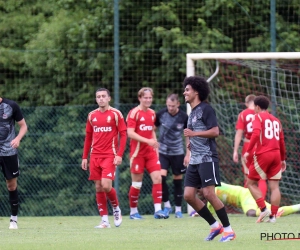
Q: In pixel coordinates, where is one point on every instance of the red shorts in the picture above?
(102, 168)
(266, 166)
(150, 162)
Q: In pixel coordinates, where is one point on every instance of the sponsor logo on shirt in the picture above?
(102, 129)
(143, 127)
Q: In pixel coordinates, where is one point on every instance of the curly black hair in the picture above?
(198, 84)
(262, 101)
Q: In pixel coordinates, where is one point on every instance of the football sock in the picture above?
(101, 203)
(178, 192)
(14, 202)
(215, 225)
(133, 197)
(177, 209)
(157, 207)
(167, 204)
(165, 189)
(157, 193)
(274, 210)
(206, 215)
(262, 185)
(222, 215)
(112, 196)
(133, 210)
(105, 218)
(15, 218)
(261, 204)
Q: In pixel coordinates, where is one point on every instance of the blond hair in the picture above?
(249, 98)
(142, 91)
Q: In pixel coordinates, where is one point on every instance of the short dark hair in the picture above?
(103, 89)
(262, 101)
(173, 97)
(198, 84)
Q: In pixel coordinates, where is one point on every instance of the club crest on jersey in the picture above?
(108, 119)
(152, 117)
(179, 126)
(194, 119)
(4, 116)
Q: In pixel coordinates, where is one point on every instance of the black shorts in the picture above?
(202, 175)
(10, 166)
(175, 161)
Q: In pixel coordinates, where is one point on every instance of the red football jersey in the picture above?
(143, 124)
(244, 122)
(267, 134)
(102, 131)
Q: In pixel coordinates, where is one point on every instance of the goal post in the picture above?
(233, 76)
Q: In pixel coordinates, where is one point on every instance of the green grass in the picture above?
(187, 233)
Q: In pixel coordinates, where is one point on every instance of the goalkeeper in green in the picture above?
(240, 197)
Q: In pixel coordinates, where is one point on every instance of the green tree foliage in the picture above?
(58, 52)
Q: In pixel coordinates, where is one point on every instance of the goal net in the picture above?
(233, 76)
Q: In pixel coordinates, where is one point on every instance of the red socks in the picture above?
(133, 196)
(101, 203)
(157, 193)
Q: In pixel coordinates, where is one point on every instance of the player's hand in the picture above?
(188, 133)
(245, 156)
(15, 143)
(235, 157)
(186, 160)
(117, 160)
(283, 166)
(153, 143)
(84, 164)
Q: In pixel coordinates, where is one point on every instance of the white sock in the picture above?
(105, 218)
(116, 208)
(133, 210)
(167, 204)
(15, 218)
(177, 209)
(215, 225)
(228, 229)
(157, 207)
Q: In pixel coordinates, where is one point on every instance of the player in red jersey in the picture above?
(244, 129)
(103, 128)
(144, 154)
(268, 158)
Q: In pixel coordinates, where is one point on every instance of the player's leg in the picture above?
(287, 210)
(274, 176)
(165, 163)
(257, 171)
(108, 175)
(96, 176)
(10, 167)
(178, 169)
(101, 205)
(210, 177)
(154, 169)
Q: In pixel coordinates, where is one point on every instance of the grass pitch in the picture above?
(186, 233)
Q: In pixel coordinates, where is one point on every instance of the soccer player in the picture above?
(171, 122)
(105, 140)
(268, 160)
(9, 114)
(240, 197)
(144, 154)
(203, 168)
(244, 129)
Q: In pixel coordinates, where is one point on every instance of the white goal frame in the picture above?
(192, 57)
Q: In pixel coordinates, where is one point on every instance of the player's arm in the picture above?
(211, 133)
(23, 129)
(237, 140)
(134, 136)
(87, 144)
(254, 139)
(187, 156)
